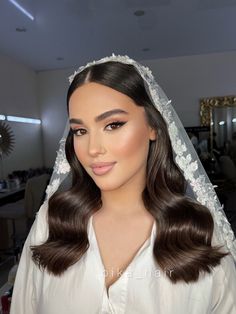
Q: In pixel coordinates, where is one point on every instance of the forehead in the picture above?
(95, 98)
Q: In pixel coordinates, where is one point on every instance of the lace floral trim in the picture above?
(60, 170)
(61, 163)
(185, 158)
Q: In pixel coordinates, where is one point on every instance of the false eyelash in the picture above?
(116, 123)
(74, 131)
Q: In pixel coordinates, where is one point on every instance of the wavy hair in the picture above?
(182, 246)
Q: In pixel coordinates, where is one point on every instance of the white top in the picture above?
(141, 289)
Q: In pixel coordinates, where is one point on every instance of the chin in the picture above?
(108, 185)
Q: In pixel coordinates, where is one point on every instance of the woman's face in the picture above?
(110, 128)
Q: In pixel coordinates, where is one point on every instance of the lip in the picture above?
(101, 168)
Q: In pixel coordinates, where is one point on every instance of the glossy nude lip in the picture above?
(102, 168)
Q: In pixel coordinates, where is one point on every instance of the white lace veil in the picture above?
(199, 186)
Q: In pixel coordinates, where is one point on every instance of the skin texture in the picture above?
(123, 215)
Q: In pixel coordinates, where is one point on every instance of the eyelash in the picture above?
(118, 124)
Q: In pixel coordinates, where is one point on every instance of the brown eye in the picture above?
(78, 132)
(115, 125)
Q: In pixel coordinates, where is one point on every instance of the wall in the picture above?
(187, 79)
(184, 79)
(52, 88)
(18, 97)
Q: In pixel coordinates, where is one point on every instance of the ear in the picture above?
(152, 134)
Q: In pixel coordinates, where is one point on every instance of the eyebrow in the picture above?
(101, 117)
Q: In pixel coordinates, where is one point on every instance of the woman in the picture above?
(126, 237)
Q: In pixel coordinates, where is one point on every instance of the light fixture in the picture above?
(221, 122)
(21, 29)
(139, 13)
(24, 120)
(234, 120)
(2, 117)
(23, 10)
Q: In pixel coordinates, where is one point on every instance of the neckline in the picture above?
(147, 244)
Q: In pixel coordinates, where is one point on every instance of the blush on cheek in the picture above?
(79, 152)
(133, 142)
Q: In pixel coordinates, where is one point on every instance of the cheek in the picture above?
(79, 150)
(133, 143)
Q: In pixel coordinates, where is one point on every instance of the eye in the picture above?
(115, 125)
(78, 132)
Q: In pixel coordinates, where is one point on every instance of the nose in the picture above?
(95, 146)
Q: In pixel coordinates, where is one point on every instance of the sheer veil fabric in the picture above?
(199, 186)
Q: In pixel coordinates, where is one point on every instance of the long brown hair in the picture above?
(182, 246)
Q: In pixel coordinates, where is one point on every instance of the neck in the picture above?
(123, 202)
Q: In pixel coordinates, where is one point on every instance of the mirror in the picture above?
(220, 114)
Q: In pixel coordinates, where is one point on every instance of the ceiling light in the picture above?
(24, 11)
(139, 13)
(25, 120)
(234, 120)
